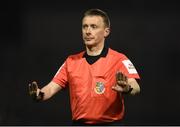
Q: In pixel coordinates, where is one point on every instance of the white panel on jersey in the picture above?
(130, 67)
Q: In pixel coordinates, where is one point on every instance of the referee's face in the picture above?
(94, 30)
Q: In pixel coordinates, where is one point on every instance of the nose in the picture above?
(88, 30)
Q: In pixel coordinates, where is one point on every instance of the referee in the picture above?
(98, 77)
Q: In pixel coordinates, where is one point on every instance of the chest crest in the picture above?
(99, 88)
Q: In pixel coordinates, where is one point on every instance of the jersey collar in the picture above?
(103, 53)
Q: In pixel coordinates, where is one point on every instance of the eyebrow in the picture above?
(89, 25)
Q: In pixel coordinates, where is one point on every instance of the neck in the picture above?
(94, 50)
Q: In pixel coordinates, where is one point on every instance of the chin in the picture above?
(89, 43)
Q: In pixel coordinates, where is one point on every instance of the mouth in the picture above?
(88, 38)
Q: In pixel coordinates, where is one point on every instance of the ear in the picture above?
(106, 32)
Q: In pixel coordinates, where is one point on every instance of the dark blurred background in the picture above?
(37, 36)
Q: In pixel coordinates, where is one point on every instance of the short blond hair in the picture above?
(98, 12)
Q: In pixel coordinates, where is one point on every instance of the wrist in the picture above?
(40, 96)
(127, 89)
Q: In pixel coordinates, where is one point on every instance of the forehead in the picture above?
(92, 20)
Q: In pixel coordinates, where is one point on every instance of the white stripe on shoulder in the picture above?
(130, 67)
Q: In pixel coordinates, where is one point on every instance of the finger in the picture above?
(121, 83)
(118, 76)
(32, 92)
(34, 86)
(121, 75)
(37, 92)
(124, 77)
(30, 88)
(117, 88)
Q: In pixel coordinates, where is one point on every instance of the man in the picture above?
(97, 78)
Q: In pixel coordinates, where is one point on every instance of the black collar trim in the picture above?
(103, 53)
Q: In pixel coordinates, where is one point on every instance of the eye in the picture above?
(84, 26)
(94, 26)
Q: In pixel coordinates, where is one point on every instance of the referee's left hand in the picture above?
(121, 83)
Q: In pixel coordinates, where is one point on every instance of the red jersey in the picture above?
(91, 96)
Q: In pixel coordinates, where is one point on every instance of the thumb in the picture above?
(38, 91)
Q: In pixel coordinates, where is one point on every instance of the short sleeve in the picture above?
(127, 68)
(61, 76)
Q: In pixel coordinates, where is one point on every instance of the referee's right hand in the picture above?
(35, 92)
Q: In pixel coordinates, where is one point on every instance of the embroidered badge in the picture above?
(99, 89)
